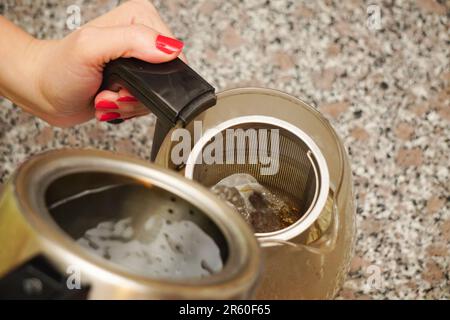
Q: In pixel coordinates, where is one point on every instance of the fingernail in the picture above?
(127, 99)
(168, 45)
(109, 116)
(106, 104)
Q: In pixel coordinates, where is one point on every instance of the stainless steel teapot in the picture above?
(53, 198)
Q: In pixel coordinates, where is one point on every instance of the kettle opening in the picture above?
(301, 179)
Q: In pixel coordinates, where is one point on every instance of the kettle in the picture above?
(78, 224)
(308, 259)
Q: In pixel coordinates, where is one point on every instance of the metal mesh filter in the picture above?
(297, 179)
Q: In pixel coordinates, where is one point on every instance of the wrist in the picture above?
(31, 68)
(20, 67)
(37, 59)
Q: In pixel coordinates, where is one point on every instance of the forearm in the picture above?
(59, 80)
(19, 57)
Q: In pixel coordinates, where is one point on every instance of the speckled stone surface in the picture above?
(386, 92)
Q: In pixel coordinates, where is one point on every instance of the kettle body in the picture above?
(311, 260)
(59, 197)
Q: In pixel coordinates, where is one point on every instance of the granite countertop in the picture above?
(385, 91)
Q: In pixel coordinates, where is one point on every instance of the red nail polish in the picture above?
(109, 116)
(168, 45)
(105, 104)
(127, 99)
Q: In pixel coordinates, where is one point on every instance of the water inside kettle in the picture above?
(160, 248)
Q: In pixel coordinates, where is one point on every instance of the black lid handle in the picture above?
(171, 90)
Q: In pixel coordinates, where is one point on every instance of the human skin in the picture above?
(58, 80)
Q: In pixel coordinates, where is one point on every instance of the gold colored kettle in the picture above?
(53, 198)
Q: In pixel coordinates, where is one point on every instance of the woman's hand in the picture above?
(58, 80)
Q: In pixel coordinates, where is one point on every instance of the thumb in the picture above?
(103, 44)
